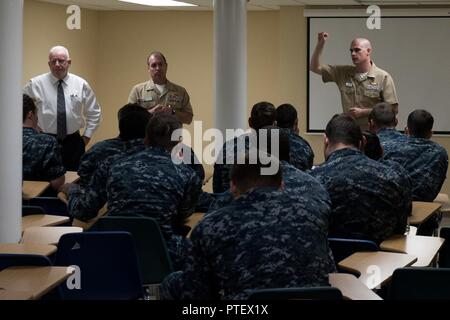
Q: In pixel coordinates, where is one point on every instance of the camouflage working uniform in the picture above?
(425, 161)
(148, 184)
(41, 156)
(296, 184)
(227, 157)
(301, 154)
(97, 154)
(368, 198)
(262, 239)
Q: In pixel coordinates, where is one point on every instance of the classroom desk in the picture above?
(71, 177)
(443, 199)
(422, 211)
(35, 280)
(15, 295)
(376, 268)
(43, 220)
(46, 235)
(424, 248)
(33, 189)
(27, 248)
(351, 287)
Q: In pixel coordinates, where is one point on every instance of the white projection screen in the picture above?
(414, 50)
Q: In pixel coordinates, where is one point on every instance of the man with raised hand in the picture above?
(361, 85)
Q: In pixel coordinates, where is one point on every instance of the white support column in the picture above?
(230, 61)
(11, 18)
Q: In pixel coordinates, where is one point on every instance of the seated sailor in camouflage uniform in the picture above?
(100, 151)
(368, 198)
(147, 183)
(302, 155)
(262, 239)
(262, 114)
(425, 161)
(132, 128)
(41, 154)
(296, 182)
(382, 121)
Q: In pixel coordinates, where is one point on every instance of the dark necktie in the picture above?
(61, 130)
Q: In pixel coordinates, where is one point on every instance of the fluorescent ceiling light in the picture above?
(161, 3)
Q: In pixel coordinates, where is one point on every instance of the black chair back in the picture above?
(420, 284)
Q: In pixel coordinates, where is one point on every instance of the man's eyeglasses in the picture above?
(59, 61)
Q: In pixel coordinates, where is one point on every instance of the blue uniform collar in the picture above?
(343, 153)
(258, 194)
(30, 130)
(159, 151)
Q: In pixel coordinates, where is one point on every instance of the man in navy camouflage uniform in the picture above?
(262, 114)
(132, 126)
(262, 239)
(147, 183)
(106, 148)
(302, 156)
(424, 160)
(41, 154)
(382, 121)
(296, 182)
(368, 198)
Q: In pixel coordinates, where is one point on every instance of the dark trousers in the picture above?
(72, 148)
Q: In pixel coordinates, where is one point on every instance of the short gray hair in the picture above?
(59, 49)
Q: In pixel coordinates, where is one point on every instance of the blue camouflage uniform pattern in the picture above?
(262, 239)
(97, 154)
(220, 200)
(296, 184)
(85, 201)
(425, 161)
(146, 183)
(41, 156)
(301, 153)
(189, 158)
(407, 190)
(388, 136)
(369, 199)
(227, 156)
(187, 155)
(104, 149)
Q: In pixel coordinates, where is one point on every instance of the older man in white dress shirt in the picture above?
(66, 104)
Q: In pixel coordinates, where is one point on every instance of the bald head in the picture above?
(360, 50)
(362, 42)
